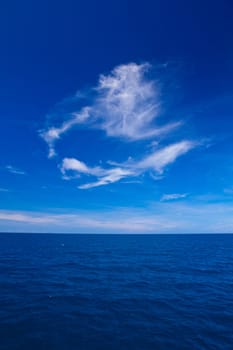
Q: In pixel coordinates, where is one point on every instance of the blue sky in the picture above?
(116, 116)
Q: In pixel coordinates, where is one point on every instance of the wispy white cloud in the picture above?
(105, 176)
(173, 196)
(156, 161)
(128, 102)
(111, 176)
(125, 104)
(52, 134)
(14, 170)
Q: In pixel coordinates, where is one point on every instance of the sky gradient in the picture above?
(116, 117)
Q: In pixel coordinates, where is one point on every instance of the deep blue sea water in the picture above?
(116, 292)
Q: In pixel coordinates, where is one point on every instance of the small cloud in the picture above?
(173, 196)
(4, 190)
(153, 145)
(14, 170)
(133, 182)
(156, 177)
(159, 159)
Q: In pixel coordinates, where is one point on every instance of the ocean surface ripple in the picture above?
(110, 292)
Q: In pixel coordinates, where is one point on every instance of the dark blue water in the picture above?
(116, 292)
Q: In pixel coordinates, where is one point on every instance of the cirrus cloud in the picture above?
(125, 104)
(156, 161)
(13, 170)
(173, 196)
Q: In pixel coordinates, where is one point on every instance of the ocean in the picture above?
(116, 292)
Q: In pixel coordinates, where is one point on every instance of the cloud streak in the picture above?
(173, 196)
(53, 134)
(156, 161)
(160, 159)
(86, 222)
(159, 217)
(105, 176)
(14, 170)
